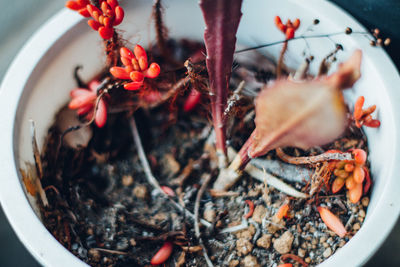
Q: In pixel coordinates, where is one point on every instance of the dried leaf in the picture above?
(332, 221)
(303, 114)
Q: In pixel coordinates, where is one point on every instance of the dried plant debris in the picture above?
(110, 205)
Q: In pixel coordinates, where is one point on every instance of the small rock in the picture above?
(171, 166)
(301, 252)
(243, 246)
(356, 227)
(327, 253)
(307, 260)
(264, 241)
(365, 201)
(132, 241)
(325, 245)
(127, 180)
(361, 213)
(122, 244)
(314, 241)
(255, 192)
(247, 233)
(209, 212)
(89, 231)
(342, 243)
(259, 213)
(140, 191)
(233, 263)
(276, 225)
(250, 261)
(94, 254)
(312, 230)
(322, 239)
(284, 243)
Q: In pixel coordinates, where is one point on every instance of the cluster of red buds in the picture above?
(84, 101)
(109, 15)
(289, 28)
(363, 116)
(136, 68)
(352, 174)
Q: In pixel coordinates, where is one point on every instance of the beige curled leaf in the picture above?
(303, 114)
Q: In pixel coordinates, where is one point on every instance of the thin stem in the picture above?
(196, 218)
(296, 38)
(279, 66)
(149, 175)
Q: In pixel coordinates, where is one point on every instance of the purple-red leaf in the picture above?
(222, 19)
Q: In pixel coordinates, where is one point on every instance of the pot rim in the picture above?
(50, 252)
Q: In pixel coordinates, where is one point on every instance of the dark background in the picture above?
(20, 18)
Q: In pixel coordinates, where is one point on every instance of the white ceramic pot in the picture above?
(40, 78)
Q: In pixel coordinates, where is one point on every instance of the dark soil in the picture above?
(107, 214)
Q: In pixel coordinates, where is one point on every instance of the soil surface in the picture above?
(103, 209)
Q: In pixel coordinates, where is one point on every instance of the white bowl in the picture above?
(38, 82)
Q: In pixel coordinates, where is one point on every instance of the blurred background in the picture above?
(19, 19)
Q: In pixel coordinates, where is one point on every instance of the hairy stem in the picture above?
(279, 67)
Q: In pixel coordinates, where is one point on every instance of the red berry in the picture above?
(133, 86)
(153, 71)
(94, 24)
(120, 73)
(163, 254)
(106, 32)
(360, 156)
(119, 15)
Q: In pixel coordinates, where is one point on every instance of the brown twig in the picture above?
(196, 218)
(279, 66)
(162, 33)
(111, 251)
(313, 159)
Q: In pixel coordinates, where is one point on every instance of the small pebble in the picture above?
(275, 225)
(243, 246)
(94, 254)
(284, 243)
(127, 180)
(327, 253)
(301, 252)
(387, 42)
(365, 201)
(356, 227)
(322, 239)
(209, 212)
(247, 233)
(233, 263)
(264, 241)
(259, 213)
(361, 213)
(250, 261)
(132, 242)
(171, 166)
(140, 191)
(307, 260)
